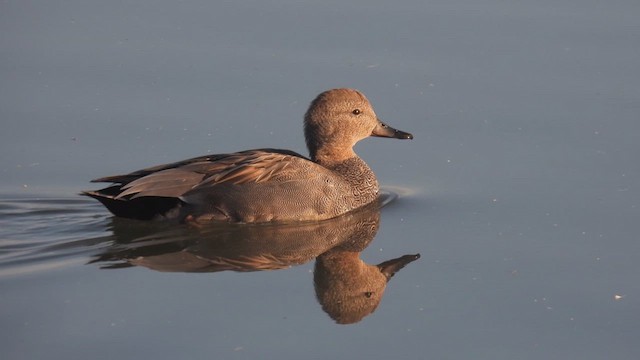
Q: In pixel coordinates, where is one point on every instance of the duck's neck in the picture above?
(339, 261)
(333, 156)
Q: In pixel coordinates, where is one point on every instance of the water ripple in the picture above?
(40, 233)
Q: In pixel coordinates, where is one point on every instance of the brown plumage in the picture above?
(263, 184)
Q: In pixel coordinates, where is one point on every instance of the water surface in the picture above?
(520, 189)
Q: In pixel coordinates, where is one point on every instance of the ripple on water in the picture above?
(40, 233)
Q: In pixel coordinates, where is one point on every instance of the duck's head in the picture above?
(337, 119)
(350, 289)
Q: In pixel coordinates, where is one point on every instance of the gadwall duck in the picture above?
(263, 185)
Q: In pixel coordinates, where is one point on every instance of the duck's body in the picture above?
(265, 184)
(249, 186)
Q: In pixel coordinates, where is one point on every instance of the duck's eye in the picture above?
(368, 294)
(356, 112)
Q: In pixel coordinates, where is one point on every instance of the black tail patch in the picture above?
(140, 208)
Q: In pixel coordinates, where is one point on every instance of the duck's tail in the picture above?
(140, 208)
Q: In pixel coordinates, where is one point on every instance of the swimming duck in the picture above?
(263, 185)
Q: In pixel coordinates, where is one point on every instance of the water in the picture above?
(519, 190)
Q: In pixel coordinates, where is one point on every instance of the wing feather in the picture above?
(165, 183)
(175, 180)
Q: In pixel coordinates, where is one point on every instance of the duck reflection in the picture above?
(347, 288)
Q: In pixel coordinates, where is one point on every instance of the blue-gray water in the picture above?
(520, 189)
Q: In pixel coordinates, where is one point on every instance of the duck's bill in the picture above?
(390, 267)
(384, 130)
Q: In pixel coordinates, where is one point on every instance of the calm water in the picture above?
(520, 189)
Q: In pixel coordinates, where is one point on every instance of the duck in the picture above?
(263, 185)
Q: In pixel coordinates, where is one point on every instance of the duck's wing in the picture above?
(127, 178)
(176, 179)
